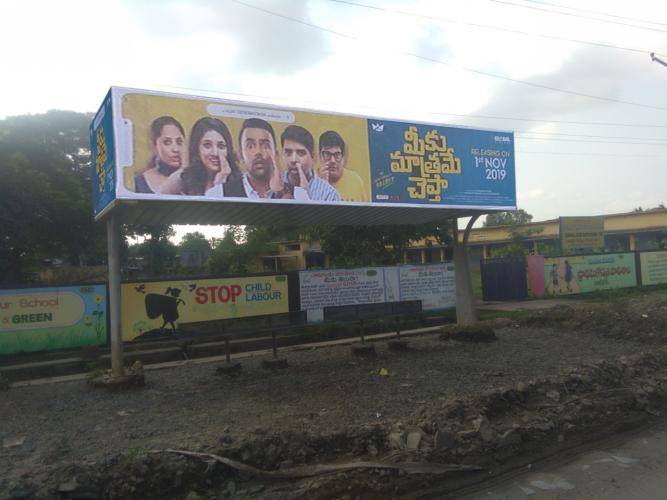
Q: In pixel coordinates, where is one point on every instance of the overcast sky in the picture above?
(405, 61)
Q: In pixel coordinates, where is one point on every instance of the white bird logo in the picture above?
(377, 127)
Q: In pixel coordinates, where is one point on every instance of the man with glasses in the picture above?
(332, 169)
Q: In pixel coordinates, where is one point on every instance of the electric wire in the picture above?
(558, 139)
(588, 11)
(592, 135)
(568, 153)
(434, 113)
(487, 26)
(570, 14)
(464, 68)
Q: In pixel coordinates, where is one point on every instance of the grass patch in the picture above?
(618, 293)
(489, 314)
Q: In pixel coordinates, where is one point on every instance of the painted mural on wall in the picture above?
(40, 319)
(155, 309)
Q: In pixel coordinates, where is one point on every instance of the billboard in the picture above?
(38, 319)
(653, 267)
(585, 273)
(154, 309)
(581, 234)
(173, 147)
(102, 153)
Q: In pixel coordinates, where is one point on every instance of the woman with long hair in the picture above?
(212, 160)
(167, 140)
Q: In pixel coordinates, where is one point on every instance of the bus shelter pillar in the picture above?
(465, 300)
(113, 256)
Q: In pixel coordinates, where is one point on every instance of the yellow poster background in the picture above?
(198, 300)
(142, 109)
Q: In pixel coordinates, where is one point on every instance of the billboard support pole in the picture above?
(113, 255)
(465, 301)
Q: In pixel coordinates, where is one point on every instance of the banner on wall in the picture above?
(342, 287)
(433, 284)
(653, 267)
(584, 273)
(154, 309)
(581, 234)
(174, 147)
(40, 319)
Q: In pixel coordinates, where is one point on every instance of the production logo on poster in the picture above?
(39, 319)
(179, 148)
(154, 309)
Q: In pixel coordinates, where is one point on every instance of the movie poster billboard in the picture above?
(653, 267)
(173, 147)
(587, 273)
(40, 319)
(581, 234)
(155, 308)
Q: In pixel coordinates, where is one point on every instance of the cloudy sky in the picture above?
(574, 79)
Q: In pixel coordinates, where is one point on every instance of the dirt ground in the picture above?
(47, 429)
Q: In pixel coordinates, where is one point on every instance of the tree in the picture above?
(194, 250)
(45, 194)
(515, 217)
(195, 242)
(661, 206)
(157, 250)
(350, 246)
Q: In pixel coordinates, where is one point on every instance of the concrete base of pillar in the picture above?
(274, 364)
(363, 350)
(398, 345)
(229, 369)
(110, 382)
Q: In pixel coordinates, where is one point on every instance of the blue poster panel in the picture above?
(102, 155)
(433, 165)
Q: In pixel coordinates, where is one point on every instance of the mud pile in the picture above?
(493, 431)
(640, 319)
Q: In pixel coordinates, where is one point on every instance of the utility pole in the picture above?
(657, 59)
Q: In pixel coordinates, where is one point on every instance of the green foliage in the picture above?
(195, 242)
(508, 218)
(350, 246)
(45, 194)
(157, 251)
(239, 250)
(661, 206)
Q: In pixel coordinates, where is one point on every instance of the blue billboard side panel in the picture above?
(441, 166)
(102, 150)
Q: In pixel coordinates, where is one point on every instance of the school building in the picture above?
(646, 230)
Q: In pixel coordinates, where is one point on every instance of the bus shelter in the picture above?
(161, 158)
